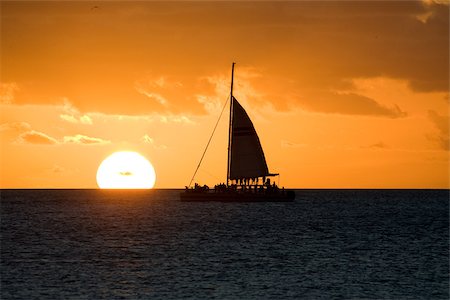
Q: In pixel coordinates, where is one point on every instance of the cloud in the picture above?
(316, 44)
(211, 104)
(376, 146)
(431, 2)
(72, 114)
(84, 140)
(148, 140)
(442, 124)
(175, 119)
(21, 133)
(153, 96)
(7, 91)
(68, 118)
(15, 126)
(254, 89)
(153, 117)
(36, 138)
(157, 89)
(163, 82)
(430, 9)
(350, 104)
(85, 119)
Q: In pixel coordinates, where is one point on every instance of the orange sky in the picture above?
(342, 94)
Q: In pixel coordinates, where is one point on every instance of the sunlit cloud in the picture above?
(154, 96)
(72, 119)
(175, 119)
(85, 140)
(149, 140)
(424, 17)
(22, 133)
(72, 114)
(284, 96)
(211, 104)
(155, 88)
(15, 126)
(36, 138)
(85, 120)
(68, 118)
(164, 82)
(429, 11)
(243, 88)
(154, 117)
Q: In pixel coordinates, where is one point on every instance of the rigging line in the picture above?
(209, 141)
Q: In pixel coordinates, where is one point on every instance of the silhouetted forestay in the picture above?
(247, 171)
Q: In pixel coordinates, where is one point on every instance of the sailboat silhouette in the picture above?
(247, 171)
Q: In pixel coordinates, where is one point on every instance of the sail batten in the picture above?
(247, 158)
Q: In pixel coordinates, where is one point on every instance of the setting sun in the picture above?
(126, 170)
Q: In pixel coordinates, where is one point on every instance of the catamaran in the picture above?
(248, 177)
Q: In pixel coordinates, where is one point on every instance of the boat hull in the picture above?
(194, 196)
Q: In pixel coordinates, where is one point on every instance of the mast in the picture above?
(230, 124)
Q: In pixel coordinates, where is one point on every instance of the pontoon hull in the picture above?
(193, 196)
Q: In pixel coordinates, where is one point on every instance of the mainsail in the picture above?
(247, 157)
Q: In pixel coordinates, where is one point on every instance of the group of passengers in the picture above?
(241, 185)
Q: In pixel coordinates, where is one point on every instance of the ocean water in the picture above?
(328, 244)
